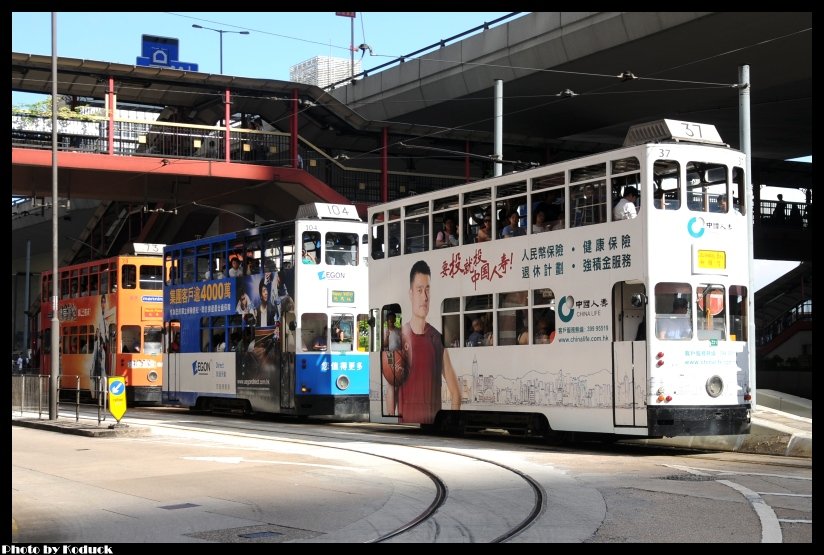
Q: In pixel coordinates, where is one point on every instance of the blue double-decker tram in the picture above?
(271, 319)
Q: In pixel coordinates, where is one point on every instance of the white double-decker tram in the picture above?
(607, 294)
(271, 318)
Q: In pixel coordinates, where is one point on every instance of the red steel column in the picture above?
(227, 147)
(110, 117)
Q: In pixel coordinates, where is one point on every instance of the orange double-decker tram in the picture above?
(110, 315)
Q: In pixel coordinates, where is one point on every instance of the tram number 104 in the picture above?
(341, 211)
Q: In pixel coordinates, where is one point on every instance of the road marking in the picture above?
(238, 460)
(770, 527)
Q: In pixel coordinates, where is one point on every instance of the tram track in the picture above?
(367, 483)
(770, 526)
(424, 526)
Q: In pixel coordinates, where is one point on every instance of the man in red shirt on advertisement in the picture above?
(419, 396)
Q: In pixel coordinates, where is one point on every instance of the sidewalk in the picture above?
(773, 432)
(82, 427)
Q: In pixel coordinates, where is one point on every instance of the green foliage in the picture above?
(363, 335)
(43, 108)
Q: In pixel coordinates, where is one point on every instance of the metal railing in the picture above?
(171, 140)
(30, 394)
(801, 311)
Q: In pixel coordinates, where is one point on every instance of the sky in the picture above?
(276, 41)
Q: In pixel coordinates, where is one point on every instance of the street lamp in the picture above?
(221, 31)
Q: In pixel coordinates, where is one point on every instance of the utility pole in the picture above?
(221, 32)
(351, 16)
(55, 322)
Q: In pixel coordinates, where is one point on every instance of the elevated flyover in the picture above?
(573, 83)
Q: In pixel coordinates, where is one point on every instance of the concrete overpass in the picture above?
(622, 68)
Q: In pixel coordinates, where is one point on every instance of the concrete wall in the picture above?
(792, 382)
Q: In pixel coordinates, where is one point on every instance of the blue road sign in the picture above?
(117, 387)
(161, 52)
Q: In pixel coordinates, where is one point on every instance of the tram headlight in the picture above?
(152, 376)
(714, 385)
(342, 382)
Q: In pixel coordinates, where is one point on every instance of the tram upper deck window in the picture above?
(394, 245)
(378, 235)
(64, 285)
(170, 265)
(104, 278)
(416, 228)
(187, 272)
(706, 184)
(271, 254)
(342, 249)
(251, 257)
(441, 212)
(629, 164)
(547, 181)
(445, 203)
(202, 262)
(84, 281)
(477, 210)
(113, 278)
(151, 277)
(46, 289)
(667, 180)
(218, 261)
(129, 276)
(511, 197)
(475, 197)
(511, 189)
(739, 191)
(619, 186)
(549, 197)
(588, 203)
(310, 247)
(626, 172)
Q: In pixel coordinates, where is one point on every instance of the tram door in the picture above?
(171, 362)
(287, 360)
(629, 360)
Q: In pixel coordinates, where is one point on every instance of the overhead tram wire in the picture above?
(519, 164)
(251, 222)
(564, 95)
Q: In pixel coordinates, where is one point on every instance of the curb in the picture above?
(83, 429)
(770, 439)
